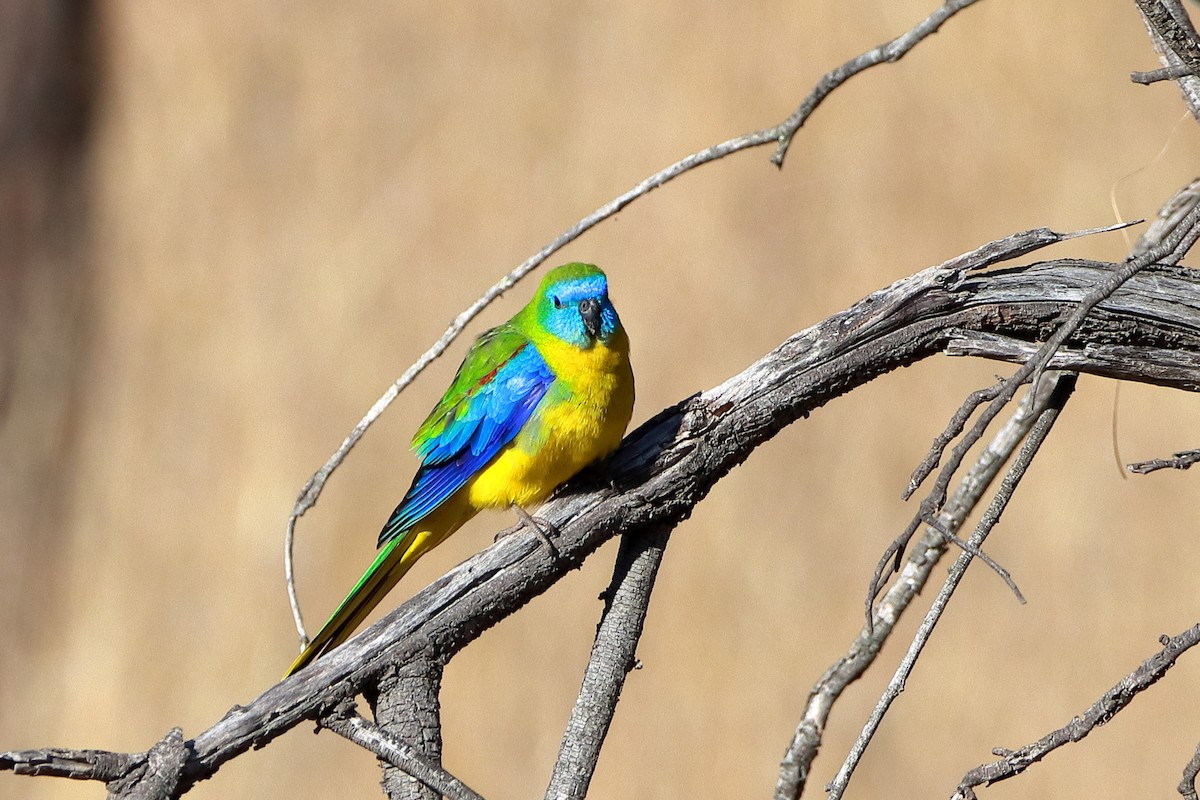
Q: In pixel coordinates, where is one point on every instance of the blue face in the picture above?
(578, 311)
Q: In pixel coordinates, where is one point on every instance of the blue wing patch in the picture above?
(482, 424)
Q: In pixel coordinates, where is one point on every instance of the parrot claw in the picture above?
(541, 528)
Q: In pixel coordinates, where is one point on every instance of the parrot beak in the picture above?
(589, 310)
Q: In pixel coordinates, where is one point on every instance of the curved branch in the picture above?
(1060, 393)
(672, 461)
(782, 134)
(794, 768)
(669, 464)
(1150, 672)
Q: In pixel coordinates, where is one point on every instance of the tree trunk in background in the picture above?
(47, 82)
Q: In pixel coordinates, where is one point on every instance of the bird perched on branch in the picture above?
(536, 400)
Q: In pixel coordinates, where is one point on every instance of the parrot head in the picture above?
(572, 304)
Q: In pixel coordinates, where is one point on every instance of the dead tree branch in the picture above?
(1169, 20)
(1171, 236)
(1187, 785)
(82, 765)
(1147, 77)
(1174, 38)
(1063, 386)
(400, 756)
(1014, 762)
(405, 702)
(907, 584)
(781, 134)
(671, 462)
(613, 657)
(1182, 460)
(1175, 243)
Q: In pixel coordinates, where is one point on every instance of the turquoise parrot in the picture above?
(535, 400)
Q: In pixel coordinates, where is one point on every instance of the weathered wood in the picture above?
(613, 657)
(1148, 331)
(671, 462)
(405, 702)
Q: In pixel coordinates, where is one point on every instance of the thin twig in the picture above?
(346, 721)
(797, 760)
(1161, 74)
(1176, 243)
(959, 421)
(991, 563)
(781, 134)
(1174, 37)
(1058, 398)
(613, 656)
(890, 52)
(1182, 460)
(1015, 762)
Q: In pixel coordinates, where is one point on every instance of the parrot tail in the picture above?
(396, 558)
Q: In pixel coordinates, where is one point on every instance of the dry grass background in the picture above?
(291, 200)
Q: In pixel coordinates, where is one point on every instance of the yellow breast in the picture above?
(580, 420)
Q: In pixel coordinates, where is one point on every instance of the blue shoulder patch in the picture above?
(482, 425)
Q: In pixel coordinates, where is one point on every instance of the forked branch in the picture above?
(670, 463)
(1014, 762)
(781, 135)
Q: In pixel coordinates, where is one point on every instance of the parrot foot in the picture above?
(541, 528)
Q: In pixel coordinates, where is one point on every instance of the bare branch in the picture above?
(1182, 460)
(85, 765)
(159, 777)
(990, 562)
(955, 427)
(1181, 40)
(1167, 221)
(1103, 710)
(1063, 385)
(886, 53)
(797, 761)
(782, 134)
(1174, 38)
(346, 721)
(1176, 242)
(153, 775)
(405, 703)
(1162, 74)
(669, 464)
(613, 657)
(1187, 785)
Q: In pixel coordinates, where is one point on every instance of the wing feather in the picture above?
(500, 383)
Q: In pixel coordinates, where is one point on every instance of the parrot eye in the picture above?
(557, 302)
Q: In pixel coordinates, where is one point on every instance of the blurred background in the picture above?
(226, 228)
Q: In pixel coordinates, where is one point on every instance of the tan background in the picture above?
(289, 202)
